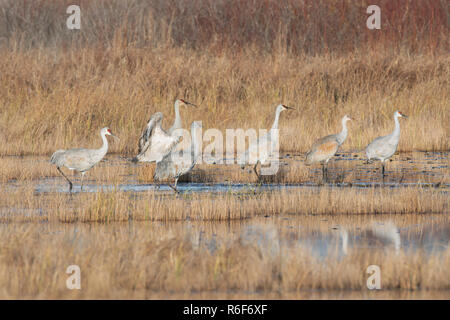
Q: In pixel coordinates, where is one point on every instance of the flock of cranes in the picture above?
(158, 145)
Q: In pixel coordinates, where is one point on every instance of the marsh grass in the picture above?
(51, 111)
(347, 168)
(133, 58)
(144, 261)
(237, 60)
(22, 204)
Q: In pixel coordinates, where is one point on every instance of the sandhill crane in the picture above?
(158, 142)
(325, 148)
(269, 140)
(81, 160)
(177, 123)
(386, 232)
(265, 236)
(343, 237)
(173, 166)
(343, 233)
(383, 148)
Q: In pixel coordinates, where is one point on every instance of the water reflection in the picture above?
(323, 237)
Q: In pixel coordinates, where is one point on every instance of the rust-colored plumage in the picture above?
(322, 150)
(325, 148)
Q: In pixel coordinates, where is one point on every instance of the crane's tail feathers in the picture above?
(135, 160)
(308, 161)
(55, 156)
(369, 159)
(52, 159)
(364, 152)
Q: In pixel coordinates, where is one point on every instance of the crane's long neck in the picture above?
(104, 148)
(396, 132)
(277, 117)
(343, 134)
(177, 121)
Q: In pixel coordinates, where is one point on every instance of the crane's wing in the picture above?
(382, 147)
(157, 146)
(322, 149)
(168, 168)
(58, 157)
(75, 159)
(319, 144)
(148, 130)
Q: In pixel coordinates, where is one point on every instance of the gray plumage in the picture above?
(157, 143)
(263, 150)
(177, 163)
(177, 124)
(81, 160)
(384, 147)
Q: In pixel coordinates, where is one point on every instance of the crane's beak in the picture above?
(114, 136)
(289, 108)
(404, 116)
(190, 104)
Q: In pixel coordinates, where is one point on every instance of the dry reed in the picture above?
(23, 205)
(58, 87)
(138, 263)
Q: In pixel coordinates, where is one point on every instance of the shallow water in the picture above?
(428, 236)
(325, 238)
(46, 186)
(425, 169)
(322, 236)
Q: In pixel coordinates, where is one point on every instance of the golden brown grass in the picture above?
(112, 205)
(133, 58)
(25, 169)
(237, 60)
(146, 261)
(65, 106)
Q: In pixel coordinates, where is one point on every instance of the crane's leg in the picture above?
(70, 182)
(324, 172)
(156, 181)
(256, 172)
(382, 170)
(82, 177)
(174, 187)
